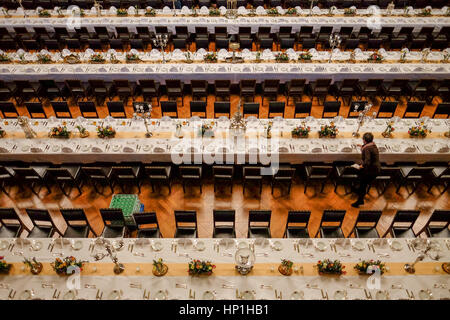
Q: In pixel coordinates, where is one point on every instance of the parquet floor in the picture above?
(164, 204)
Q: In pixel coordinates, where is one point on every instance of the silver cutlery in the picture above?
(4, 286)
(368, 294)
(99, 294)
(12, 294)
(191, 294)
(181, 285)
(278, 296)
(312, 286)
(47, 285)
(396, 286)
(146, 295)
(181, 254)
(386, 255)
(90, 286)
(136, 285)
(228, 286)
(324, 294)
(263, 286)
(56, 294)
(138, 254)
(262, 254)
(227, 254)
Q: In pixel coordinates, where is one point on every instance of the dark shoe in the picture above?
(357, 204)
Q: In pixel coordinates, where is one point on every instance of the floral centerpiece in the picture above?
(83, 132)
(210, 57)
(188, 56)
(4, 58)
(150, 12)
(291, 12)
(387, 133)
(301, 131)
(44, 58)
(305, 57)
(97, 58)
(194, 12)
(285, 268)
(4, 267)
(272, 12)
(61, 266)
(34, 265)
(425, 12)
(362, 266)
(44, 14)
(375, 57)
(206, 130)
(328, 131)
(122, 12)
(132, 57)
(258, 57)
(403, 53)
(282, 57)
(159, 268)
(420, 131)
(2, 133)
(330, 267)
(106, 132)
(349, 11)
(198, 267)
(59, 132)
(214, 12)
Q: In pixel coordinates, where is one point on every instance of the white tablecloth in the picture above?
(310, 285)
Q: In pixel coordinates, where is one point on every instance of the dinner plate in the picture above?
(358, 245)
(200, 246)
(261, 242)
(77, 245)
(117, 245)
(185, 243)
(26, 295)
(381, 295)
(69, 295)
(396, 147)
(297, 295)
(340, 295)
(428, 148)
(116, 148)
(25, 148)
(157, 246)
(242, 245)
(396, 245)
(332, 148)
(278, 246)
(425, 295)
(4, 244)
(55, 148)
(85, 148)
(226, 243)
(248, 295)
(208, 295)
(161, 295)
(36, 245)
(146, 148)
(321, 246)
(114, 295)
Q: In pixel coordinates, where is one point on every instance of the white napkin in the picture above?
(346, 149)
(128, 149)
(66, 150)
(316, 150)
(442, 148)
(96, 149)
(283, 149)
(158, 150)
(35, 150)
(410, 149)
(3, 150)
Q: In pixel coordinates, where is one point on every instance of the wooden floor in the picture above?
(204, 203)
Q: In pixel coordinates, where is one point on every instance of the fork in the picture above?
(181, 285)
(99, 294)
(12, 294)
(263, 286)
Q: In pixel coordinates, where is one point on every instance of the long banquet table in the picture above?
(130, 143)
(264, 281)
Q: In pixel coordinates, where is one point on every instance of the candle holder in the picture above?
(231, 9)
(174, 9)
(362, 116)
(143, 111)
(410, 267)
(161, 41)
(335, 40)
(98, 8)
(23, 9)
(311, 8)
(111, 252)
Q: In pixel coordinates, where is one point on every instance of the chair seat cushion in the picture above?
(149, 233)
(40, 232)
(9, 231)
(185, 233)
(403, 233)
(259, 232)
(224, 232)
(439, 232)
(76, 232)
(366, 233)
(331, 232)
(113, 232)
(297, 232)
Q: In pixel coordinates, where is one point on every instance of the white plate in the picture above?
(358, 245)
(55, 148)
(26, 295)
(396, 245)
(278, 246)
(36, 245)
(200, 246)
(321, 246)
(340, 295)
(4, 244)
(332, 148)
(116, 148)
(248, 295)
(25, 148)
(381, 295)
(425, 295)
(146, 148)
(428, 148)
(208, 295)
(114, 295)
(77, 245)
(161, 295)
(85, 148)
(157, 246)
(297, 295)
(242, 245)
(69, 295)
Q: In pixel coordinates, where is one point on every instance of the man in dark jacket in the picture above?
(369, 167)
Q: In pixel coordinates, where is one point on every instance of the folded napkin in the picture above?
(283, 149)
(381, 149)
(346, 149)
(96, 149)
(443, 149)
(158, 150)
(3, 150)
(36, 150)
(410, 149)
(66, 150)
(316, 150)
(128, 149)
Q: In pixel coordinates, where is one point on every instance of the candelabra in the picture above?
(410, 267)
(390, 8)
(335, 41)
(111, 252)
(237, 122)
(161, 41)
(23, 9)
(425, 53)
(174, 9)
(231, 9)
(143, 111)
(311, 8)
(98, 8)
(24, 123)
(361, 117)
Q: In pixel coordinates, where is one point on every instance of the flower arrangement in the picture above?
(197, 267)
(159, 268)
(44, 14)
(282, 57)
(4, 57)
(258, 56)
(305, 56)
(291, 12)
(387, 133)
(4, 267)
(285, 268)
(375, 57)
(2, 133)
(330, 267)
(272, 12)
(214, 12)
(349, 11)
(362, 266)
(403, 54)
(328, 131)
(34, 265)
(300, 131)
(97, 58)
(61, 266)
(188, 56)
(44, 58)
(207, 130)
(83, 132)
(425, 12)
(194, 13)
(268, 130)
(106, 132)
(210, 57)
(59, 132)
(132, 57)
(122, 12)
(420, 131)
(150, 12)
